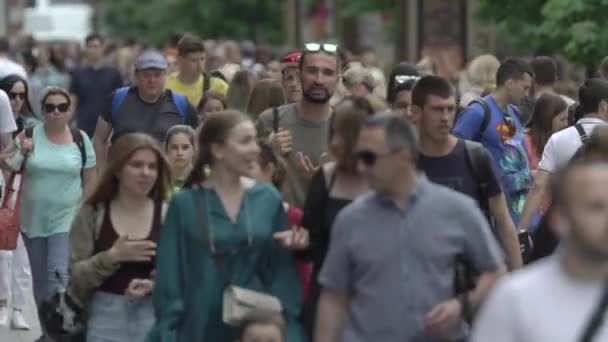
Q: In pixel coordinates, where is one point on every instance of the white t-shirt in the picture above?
(7, 120)
(562, 145)
(9, 67)
(539, 304)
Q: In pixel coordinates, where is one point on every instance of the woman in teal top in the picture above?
(241, 219)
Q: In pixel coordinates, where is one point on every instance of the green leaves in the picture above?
(574, 28)
(155, 20)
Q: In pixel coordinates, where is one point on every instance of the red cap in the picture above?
(291, 60)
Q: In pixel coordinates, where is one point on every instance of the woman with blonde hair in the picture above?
(113, 241)
(481, 76)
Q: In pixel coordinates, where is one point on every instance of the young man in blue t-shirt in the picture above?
(494, 121)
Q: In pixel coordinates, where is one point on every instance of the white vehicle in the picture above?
(58, 20)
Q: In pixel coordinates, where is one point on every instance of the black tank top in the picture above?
(118, 282)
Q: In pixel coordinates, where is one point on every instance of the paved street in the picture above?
(7, 335)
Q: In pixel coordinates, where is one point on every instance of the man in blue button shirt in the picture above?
(495, 122)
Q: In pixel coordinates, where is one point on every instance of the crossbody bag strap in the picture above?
(581, 132)
(597, 318)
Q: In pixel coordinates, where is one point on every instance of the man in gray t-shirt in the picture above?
(147, 108)
(299, 131)
(389, 273)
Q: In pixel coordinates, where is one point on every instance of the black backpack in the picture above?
(78, 140)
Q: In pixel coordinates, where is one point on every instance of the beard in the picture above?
(315, 98)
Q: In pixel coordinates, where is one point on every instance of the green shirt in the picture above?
(189, 284)
(52, 186)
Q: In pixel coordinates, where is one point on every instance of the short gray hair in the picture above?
(400, 133)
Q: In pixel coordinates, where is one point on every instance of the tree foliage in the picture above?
(575, 28)
(155, 20)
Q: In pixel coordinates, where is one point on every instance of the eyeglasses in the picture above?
(62, 107)
(14, 95)
(400, 79)
(316, 47)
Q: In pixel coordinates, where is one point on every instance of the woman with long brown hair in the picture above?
(550, 116)
(333, 187)
(113, 241)
(222, 232)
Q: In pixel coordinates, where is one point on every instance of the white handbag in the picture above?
(240, 303)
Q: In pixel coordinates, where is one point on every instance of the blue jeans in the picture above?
(116, 318)
(48, 256)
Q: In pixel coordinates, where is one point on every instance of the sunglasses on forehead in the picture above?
(316, 47)
(50, 108)
(400, 79)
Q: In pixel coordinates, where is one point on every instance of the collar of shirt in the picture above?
(419, 189)
(595, 121)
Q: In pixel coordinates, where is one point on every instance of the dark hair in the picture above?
(216, 129)
(591, 93)
(93, 36)
(393, 87)
(239, 90)
(339, 57)
(546, 108)
(430, 85)
(348, 119)
(5, 46)
(179, 129)
(267, 157)
(545, 70)
(512, 69)
(604, 68)
(261, 318)
(211, 95)
(399, 133)
(118, 155)
(7, 84)
(266, 94)
(188, 44)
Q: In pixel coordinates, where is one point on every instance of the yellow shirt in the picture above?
(194, 91)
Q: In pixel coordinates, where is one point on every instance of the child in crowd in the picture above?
(271, 169)
(179, 146)
(262, 328)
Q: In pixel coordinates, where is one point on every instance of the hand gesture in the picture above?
(282, 141)
(443, 318)
(139, 288)
(297, 238)
(307, 165)
(125, 250)
(27, 144)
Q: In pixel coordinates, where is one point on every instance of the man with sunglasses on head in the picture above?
(299, 130)
(400, 85)
(389, 271)
(495, 122)
(464, 166)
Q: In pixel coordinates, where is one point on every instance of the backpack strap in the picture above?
(487, 115)
(181, 102)
(581, 132)
(79, 141)
(480, 165)
(119, 97)
(275, 119)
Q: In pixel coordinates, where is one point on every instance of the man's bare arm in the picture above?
(331, 315)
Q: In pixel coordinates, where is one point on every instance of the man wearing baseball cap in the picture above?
(291, 77)
(146, 107)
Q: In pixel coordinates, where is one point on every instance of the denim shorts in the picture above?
(116, 318)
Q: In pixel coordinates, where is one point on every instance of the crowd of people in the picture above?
(202, 193)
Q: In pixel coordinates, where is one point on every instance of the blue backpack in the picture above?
(181, 102)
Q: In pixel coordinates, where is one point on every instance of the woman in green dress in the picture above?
(242, 219)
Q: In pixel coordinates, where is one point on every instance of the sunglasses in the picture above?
(316, 47)
(62, 107)
(13, 95)
(400, 79)
(370, 158)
